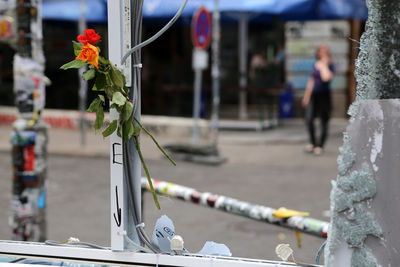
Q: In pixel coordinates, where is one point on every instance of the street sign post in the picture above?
(201, 37)
(215, 71)
(201, 28)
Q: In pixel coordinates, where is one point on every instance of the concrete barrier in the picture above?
(70, 119)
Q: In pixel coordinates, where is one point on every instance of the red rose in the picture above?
(90, 37)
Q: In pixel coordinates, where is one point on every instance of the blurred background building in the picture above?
(281, 37)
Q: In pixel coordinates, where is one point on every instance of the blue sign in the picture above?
(201, 28)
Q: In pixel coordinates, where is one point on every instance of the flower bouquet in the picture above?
(110, 84)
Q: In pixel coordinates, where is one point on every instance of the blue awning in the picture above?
(344, 9)
(69, 10)
(156, 9)
(285, 9)
(166, 8)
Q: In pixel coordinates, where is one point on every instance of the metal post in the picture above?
(243, 39)
(215, 71)
(29, 138)
(119, 42)
(83, 86)
(118, 199)
(196, 105)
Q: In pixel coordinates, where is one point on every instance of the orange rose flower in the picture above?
(89, 54)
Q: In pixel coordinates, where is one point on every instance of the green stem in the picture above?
(153, 192)
(155, 142)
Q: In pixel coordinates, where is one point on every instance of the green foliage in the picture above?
(77, 48)
(127, 130)
(89, 74)
(100, 83)
(117, 77)
(99, 118)
(104, 61)
(94, 105)
(99, 100)
(127, 111)
(75, 64)
(111, 81)
(119, 99)
(111, 128)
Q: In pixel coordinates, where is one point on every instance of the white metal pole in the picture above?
(215, 71)
(243, 39)
(118, 38)
(83, 86)
(196, 105)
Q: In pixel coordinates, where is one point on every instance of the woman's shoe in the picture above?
(318, 151)
(309, 148)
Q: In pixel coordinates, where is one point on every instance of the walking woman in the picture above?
(317, 99)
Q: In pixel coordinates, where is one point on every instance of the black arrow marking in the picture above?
(117, 221)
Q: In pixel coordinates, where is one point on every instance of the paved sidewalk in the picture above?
(267, 168)
(288, 131)
(68, 141)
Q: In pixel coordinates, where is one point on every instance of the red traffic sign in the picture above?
(201, 28)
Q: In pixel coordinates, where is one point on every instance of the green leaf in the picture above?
(99, 118)
(125, 89)
(103, 61)
(102, 99)
(136, 131)
(117, 77)
(119, 131)
(119, 110)
(109, 81)
(100, 83)
(75, 64)
(127, 130)
(109, 92)
(128, 108)
(110, 129)
(77, 47)
(94, 105)
(118, 98)
(89, 74)
(94, 88)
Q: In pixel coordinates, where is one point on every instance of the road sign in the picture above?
(201, 28)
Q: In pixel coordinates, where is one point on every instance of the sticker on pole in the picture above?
(201, 28)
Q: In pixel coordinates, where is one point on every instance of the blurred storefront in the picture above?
(168, 76)
(278, 52)
(302, 40)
